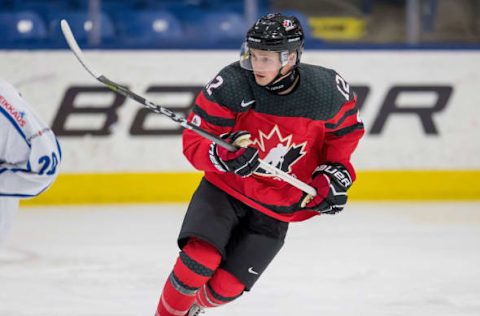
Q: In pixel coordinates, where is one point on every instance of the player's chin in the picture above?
(261, 80)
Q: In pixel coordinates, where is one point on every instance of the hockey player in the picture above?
(300, 118)
(29, 154)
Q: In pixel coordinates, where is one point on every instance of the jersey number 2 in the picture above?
(343, 87)
(48, 163)
(215, 83)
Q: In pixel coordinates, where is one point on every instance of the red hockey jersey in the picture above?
(316, 123)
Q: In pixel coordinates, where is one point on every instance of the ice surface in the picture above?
(373, 259)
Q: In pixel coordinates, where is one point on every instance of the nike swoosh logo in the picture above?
(245, 104)
(250, 270)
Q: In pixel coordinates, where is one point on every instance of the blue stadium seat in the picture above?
(81, 26)
(181, 9)
(238, 6)
(6, 5)
(22, 26)
(157, 28)
(43, 7)
(114, 6)
(227, 25)
(221, 27)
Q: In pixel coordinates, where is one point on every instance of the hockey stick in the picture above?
(67, 33)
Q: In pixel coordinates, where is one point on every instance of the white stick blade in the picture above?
(67, 33)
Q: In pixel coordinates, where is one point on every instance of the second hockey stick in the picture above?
(67, 33)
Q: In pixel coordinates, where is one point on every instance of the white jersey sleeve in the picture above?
(29, 151)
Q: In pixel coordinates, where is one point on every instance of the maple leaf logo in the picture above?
(278, 151)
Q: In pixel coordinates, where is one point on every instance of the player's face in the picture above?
(265, 65)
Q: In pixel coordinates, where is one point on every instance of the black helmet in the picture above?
(276, 32)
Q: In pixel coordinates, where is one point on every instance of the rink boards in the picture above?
(419, 108)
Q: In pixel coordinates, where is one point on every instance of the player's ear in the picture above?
(292, 58)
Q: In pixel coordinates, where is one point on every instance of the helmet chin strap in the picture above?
(284, 84)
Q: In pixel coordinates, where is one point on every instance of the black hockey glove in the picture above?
(331, 182)
(243, 161)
